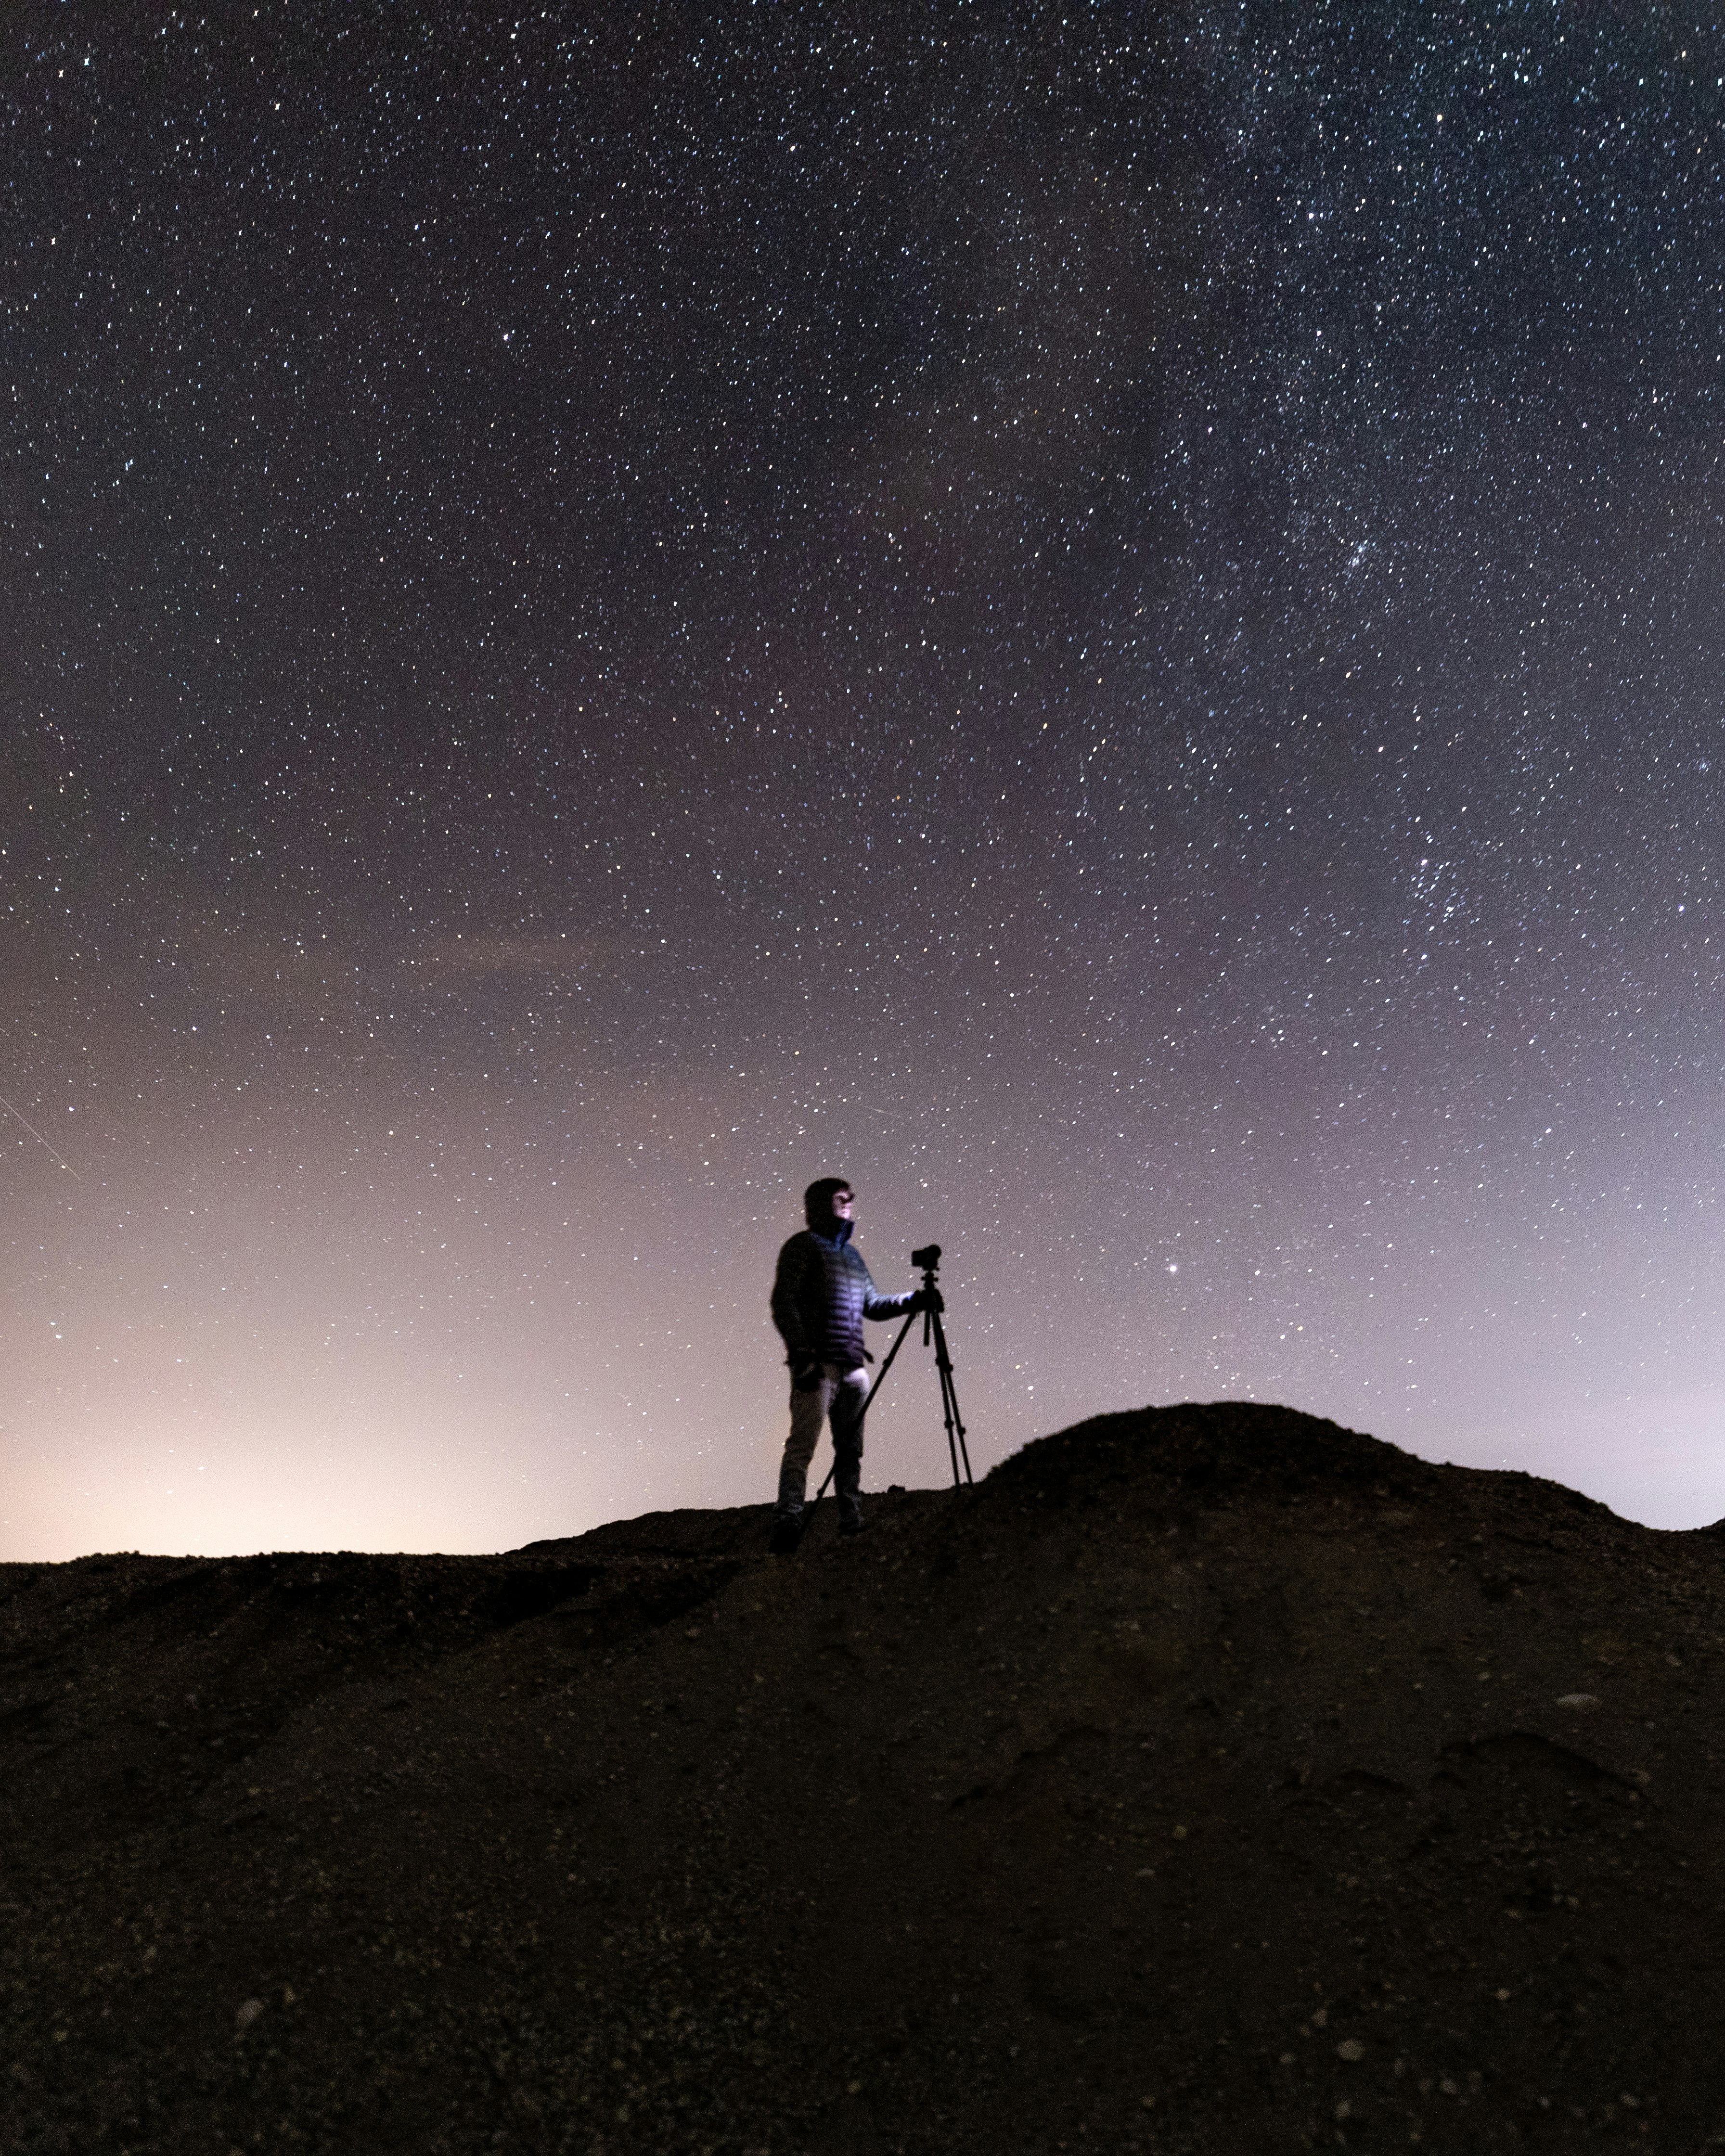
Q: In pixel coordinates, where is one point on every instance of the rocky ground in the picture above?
(1209, 1778)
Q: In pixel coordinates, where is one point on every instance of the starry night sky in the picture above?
(1104, 619)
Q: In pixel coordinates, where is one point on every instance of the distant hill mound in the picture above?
(1209, 1778)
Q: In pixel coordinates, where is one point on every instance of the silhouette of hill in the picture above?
(1209, 1778)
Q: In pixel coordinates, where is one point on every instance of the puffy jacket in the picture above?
(822, 1293)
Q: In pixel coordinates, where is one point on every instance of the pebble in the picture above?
(1580, 1699)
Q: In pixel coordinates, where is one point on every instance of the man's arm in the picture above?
(789, 1282)
(878, 1305)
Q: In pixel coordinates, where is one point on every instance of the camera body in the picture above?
(927, 1258)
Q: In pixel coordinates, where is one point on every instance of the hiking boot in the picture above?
(848, 1528)
(787, 1533)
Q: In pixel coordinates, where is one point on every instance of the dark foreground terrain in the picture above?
(1209, 1779)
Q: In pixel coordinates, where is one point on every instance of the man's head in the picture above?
(828, 1201)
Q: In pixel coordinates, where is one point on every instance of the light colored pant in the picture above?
(840, 1395)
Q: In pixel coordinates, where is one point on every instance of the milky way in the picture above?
(1104, 622)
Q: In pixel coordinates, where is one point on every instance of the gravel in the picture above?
(1208, 1778)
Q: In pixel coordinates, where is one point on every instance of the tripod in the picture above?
(927, 1262)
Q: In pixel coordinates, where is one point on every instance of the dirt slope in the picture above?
(1202, 1781)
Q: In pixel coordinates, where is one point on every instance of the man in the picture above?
(821, 1294)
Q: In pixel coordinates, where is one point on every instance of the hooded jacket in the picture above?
(821, 1294)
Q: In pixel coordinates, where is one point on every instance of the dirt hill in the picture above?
(1209, 1778)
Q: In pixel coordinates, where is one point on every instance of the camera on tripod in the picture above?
(926, 1261)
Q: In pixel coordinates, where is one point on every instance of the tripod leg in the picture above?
(958, 1424)
(957, 1418)
(880, 1380)
(956, 1446)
